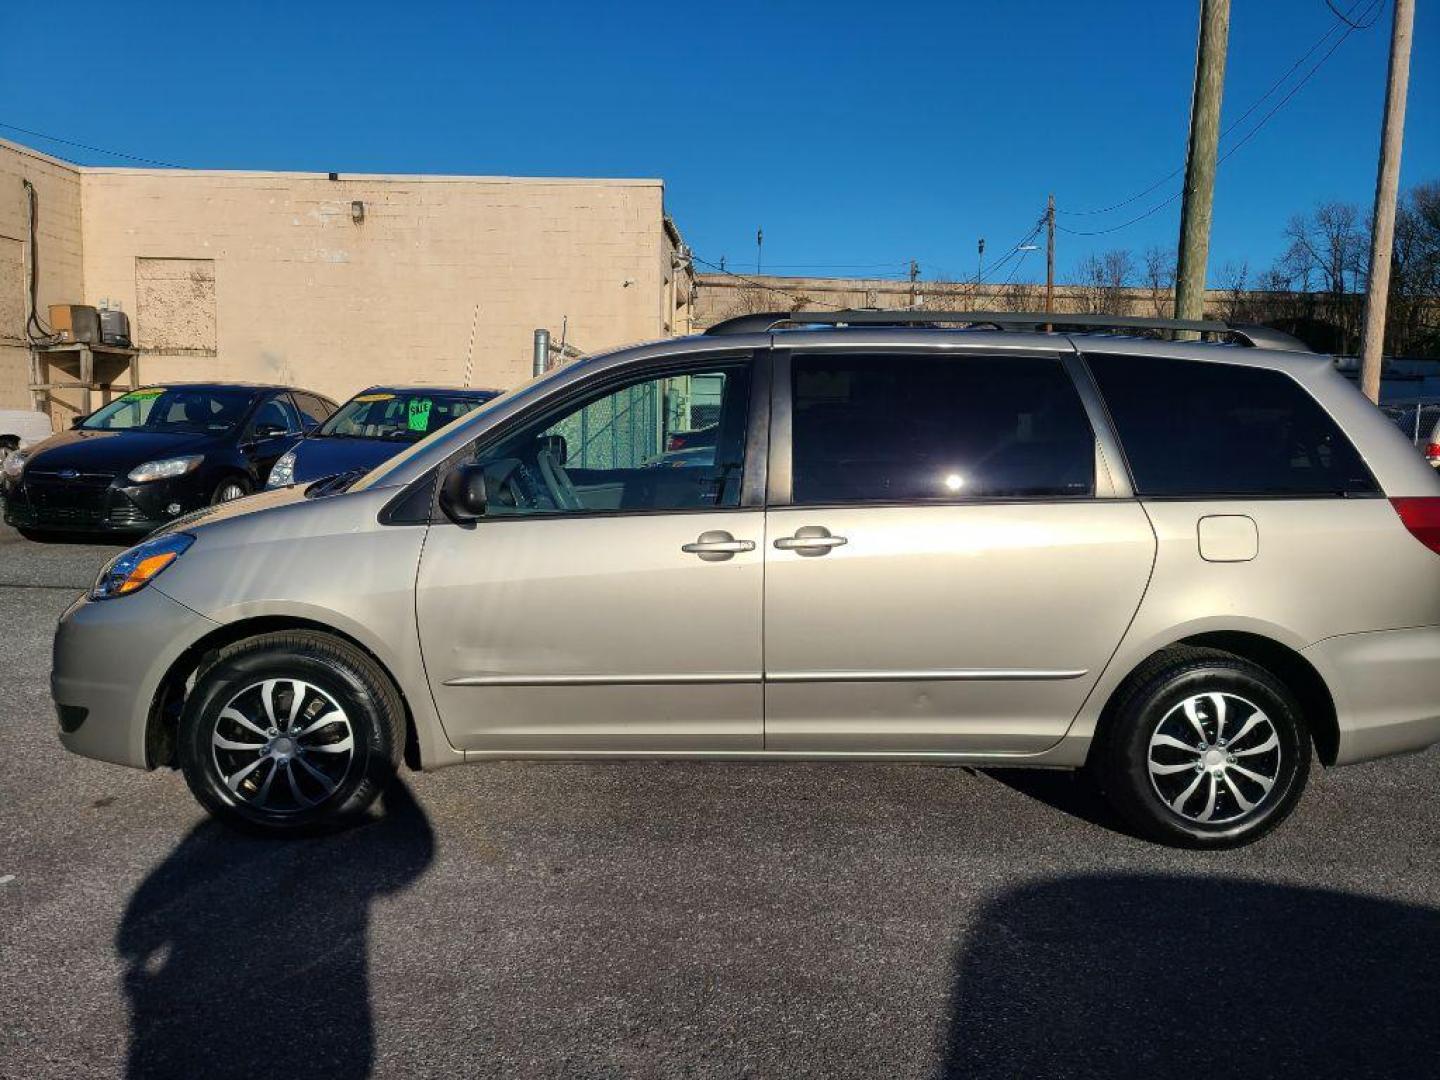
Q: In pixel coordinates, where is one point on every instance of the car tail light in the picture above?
(1432, 451)
(675, 442)
(1422, 517)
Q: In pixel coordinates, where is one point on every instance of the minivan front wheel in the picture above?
(289, 731)
(1203, 749)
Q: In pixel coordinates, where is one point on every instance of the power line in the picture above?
(1351, 28)
(1334, 26)
(86, 146)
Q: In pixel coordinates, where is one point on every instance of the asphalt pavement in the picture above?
(692, 920)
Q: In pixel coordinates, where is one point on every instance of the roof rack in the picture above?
(1260, 337)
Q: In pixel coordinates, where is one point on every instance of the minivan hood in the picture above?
(112, 451)
(242, 507)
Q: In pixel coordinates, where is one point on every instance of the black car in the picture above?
(372, 426)
(156, 453)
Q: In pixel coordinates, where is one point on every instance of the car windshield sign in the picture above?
(178, 409)
(399, 415)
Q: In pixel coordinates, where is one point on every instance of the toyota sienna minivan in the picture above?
(1188, 567)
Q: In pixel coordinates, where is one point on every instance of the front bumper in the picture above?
(88, 507)
(1386, 686)
(109, 659)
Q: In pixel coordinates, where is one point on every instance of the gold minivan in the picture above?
(1186, 566)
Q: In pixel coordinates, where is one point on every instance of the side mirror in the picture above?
(463, 495)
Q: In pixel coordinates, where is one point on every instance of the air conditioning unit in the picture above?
(75, 323)
(114, 328)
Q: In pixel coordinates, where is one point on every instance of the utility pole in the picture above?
(1387, 182)
(979, 264)
(1195, 211)
(914, 277)
(759, 248)
(1050, 255)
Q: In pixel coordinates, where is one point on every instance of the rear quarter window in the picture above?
(1204, 429)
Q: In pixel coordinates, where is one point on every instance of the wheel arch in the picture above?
(1281, 660)
(169, 698)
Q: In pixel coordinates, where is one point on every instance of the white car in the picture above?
(21, 427)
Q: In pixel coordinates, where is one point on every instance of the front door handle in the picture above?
(811, 540)
(716, 546)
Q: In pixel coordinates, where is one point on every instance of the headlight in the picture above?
(15, 464)
(282, 472)
(132, 570)
(165, 468)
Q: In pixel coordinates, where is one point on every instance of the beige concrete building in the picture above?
(335, 282)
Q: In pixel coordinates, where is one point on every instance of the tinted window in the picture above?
(883, 428)
(1198, 428)
(315, 409)
(277, 413)
(613, 451)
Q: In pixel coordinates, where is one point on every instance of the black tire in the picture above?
(1152, 703)
(219, 495)
(332, 668)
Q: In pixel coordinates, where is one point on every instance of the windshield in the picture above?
(181, 409)
(406, 416)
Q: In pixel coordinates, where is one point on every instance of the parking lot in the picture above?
(663, 919)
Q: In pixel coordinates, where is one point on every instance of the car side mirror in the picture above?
(463, 494)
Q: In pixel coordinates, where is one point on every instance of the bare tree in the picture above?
(1327, 255)
(1159, 279)
(752, 297)
(1414, 311)
(1020, 296)
(1103, 280)
(1233, 281)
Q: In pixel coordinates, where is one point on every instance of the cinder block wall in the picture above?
(279, 277)
(61, 279)
(270, 277)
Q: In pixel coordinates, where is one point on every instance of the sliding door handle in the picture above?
(717, 546)
(811, 540)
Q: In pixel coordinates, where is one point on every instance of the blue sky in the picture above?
(858, 135)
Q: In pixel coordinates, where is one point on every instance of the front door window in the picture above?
(674, 442)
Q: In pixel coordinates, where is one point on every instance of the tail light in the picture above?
(1432, 452)
(675, 442)
(1422, 517)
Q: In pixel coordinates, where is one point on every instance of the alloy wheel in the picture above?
(282, 746)
(1214, 758)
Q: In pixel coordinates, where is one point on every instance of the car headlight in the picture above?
(15, 464)
(165, 468)
(282, 473)
(132, 570)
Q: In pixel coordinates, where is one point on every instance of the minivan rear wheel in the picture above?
(1203, 749)
(290, 731)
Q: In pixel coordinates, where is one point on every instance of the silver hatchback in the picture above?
(1187, 567)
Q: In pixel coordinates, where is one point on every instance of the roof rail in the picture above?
(1262, 337)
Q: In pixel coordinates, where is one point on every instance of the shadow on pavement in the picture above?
(247, 956)
(1142, 975)
(1066, 790)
